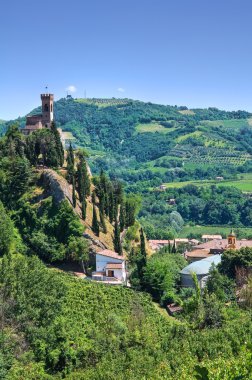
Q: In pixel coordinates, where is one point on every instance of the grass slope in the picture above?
(243, 183)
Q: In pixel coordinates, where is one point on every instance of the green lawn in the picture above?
(243, 183)
(153, 127)
(233, 123)
(214, 230)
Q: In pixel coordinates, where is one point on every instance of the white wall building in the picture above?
(110, 267)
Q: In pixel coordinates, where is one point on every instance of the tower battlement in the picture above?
(44, 120)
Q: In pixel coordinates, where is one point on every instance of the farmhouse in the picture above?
(110, 268)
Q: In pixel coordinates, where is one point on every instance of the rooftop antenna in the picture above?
(46, 88)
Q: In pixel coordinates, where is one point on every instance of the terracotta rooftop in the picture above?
(109, 253)
(211, 237)
(179, 240)
(198, 253)
(223, 244)
(114, 266)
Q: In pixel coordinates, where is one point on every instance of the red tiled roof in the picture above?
(109, 253)
(114, 266)
(211, 237)
(198, 253)
(223, 244)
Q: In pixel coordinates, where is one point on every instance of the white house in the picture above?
(110, 267)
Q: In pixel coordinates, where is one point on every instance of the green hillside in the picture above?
(145, 145)
(138, 132)
(55, 325)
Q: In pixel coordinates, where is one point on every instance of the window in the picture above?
(110, 273)
(46, 107)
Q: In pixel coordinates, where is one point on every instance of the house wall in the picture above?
(187, 279)
(118, 273)
(101, 262)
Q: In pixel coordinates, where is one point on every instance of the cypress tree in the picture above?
(174, 250)
(95, 224)
(141, 262)
(101, 211)
(59, 146)
(169, 247)
(111, 207)
(70, 164)
(122, 217)
(117, 240)
(142, 246)
(84, 209)
(73, 194)
(83, 178)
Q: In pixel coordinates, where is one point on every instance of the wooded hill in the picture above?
(139, 132)
(144, 145)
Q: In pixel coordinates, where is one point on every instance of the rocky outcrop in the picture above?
(56, 185)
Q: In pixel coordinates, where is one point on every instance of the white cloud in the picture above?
(120, 89)
(71, 88)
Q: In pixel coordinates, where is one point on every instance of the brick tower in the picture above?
(47, 109)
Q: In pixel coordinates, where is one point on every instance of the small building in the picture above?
(171, 201)
(206, 238)
(200, 268)
(155, 245)
(162, 187)
(110, 267)
(196, 255)
(219, 178)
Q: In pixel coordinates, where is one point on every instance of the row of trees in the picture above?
(107, 197)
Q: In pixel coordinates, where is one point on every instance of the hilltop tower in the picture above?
(43, 120)
(232, 240)
(47, 109)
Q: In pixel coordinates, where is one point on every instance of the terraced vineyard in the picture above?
(210, 156)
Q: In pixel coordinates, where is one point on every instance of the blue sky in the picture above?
(184, 52)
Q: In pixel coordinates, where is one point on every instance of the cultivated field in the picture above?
(243, 183)
(153, 127)
(214, 230)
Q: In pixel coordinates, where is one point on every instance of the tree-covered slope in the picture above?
(145, 131)
(144, 144)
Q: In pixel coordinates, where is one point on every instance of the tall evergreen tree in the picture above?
(142, 245)
(174, 250)
(74, 195)
(59, 146)
(95, 224)
(70, 164)
(122, 216)
(84, 209)
(117, 240)
(111, 207)
(83, 178)
(142, 258)
(101, 211)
